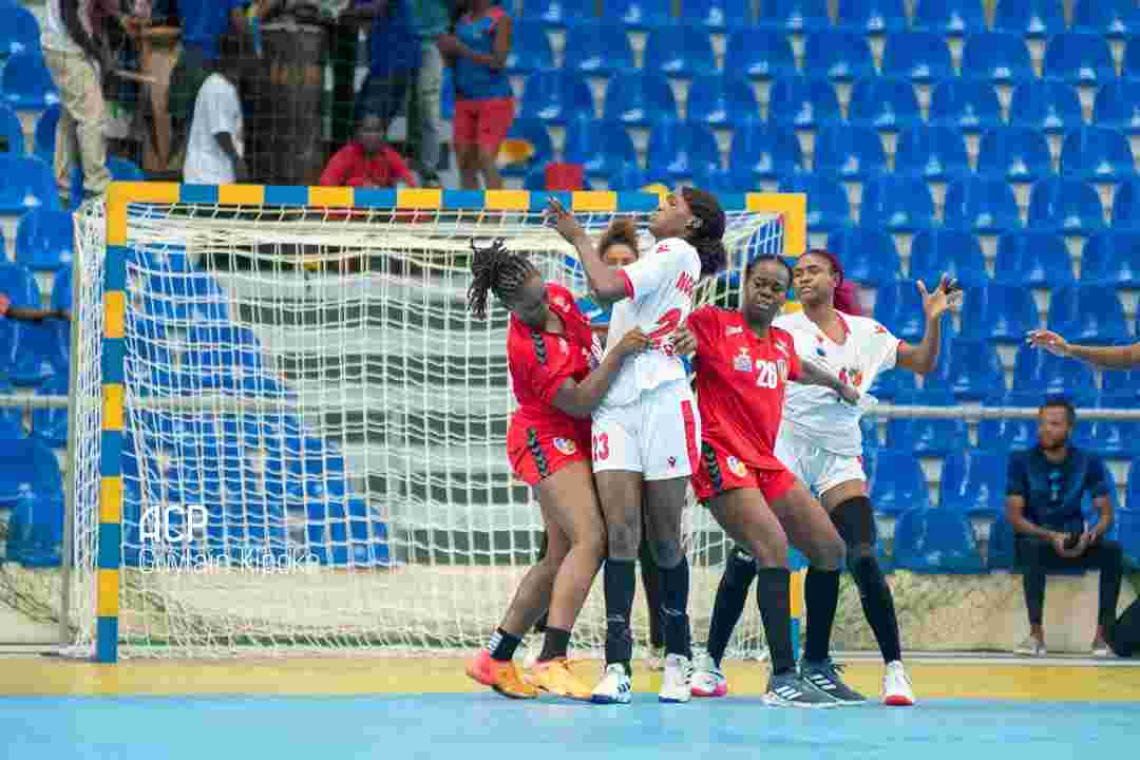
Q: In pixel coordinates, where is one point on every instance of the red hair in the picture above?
(846, 297)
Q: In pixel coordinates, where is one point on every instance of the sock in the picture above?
(821, 596)
(773, 597)
(674, 609)
(731, 595)
(502, 645)
(555, 644)
(651, 582)
(878, 606)
(620, 581)
(540, 626)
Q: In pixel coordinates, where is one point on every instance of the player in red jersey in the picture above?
(550, 350)
(743, 365)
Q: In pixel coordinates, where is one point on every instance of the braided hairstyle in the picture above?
(707, 237)
(496, 270)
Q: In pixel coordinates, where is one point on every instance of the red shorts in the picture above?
(720, 473)
(536, 454)
(482, 122)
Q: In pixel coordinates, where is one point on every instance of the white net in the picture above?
(314, 452)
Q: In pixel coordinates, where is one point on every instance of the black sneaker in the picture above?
(790, 690)
(825, 677)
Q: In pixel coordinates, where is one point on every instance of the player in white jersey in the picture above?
(646, 434)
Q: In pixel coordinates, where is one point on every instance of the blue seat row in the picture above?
(29, 352)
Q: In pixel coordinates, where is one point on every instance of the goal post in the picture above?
(289, 436)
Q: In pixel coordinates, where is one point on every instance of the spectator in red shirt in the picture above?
(367, 161)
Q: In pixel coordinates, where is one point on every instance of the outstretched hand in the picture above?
(1048, 340)
(948, 295)
(563, 221)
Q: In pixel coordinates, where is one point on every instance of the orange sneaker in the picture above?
(503, 677)
(555, 677)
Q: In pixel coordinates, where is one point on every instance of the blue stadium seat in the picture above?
(677, 150)
(627, 176)
(841, 56)
(680, 51)
(35, 530)
(973, 483)
(32, 362)
(27, 84)
(919, 56)
(927, 437)
(530, 48)
(221, 355)
(1117, 19)
(45, 239)
(828, 207)
(884, 103)
(795, 16)
(557, 13)
(999, 313)
(27, 466)
(12, 422)
(19, 32)
(532, 132)
(1126, 205)
(1128, 534)
(50, 425)
(980, 204)
(952, 18)
(893, 383)
(760, 151)
(721, 101)
(718, 15)
(971, 370)
(598, 49)
(1032, 19)
(898, 306)
(850, 152)
(759, 54)
(44, 143)
(1087, 314)
(869, 256)
(1079, 59)
(554, 95)
(1034, 259)
(600, 146)
(802, 103)
(900, 204)
(1040, 372)
(936, 541)
(1002, 548)
(896, 481)
(1051, 107)
(1132, 492)
(1131, 67)
(872, 16)
(1009, 434)
(11, 133)
(639, 99)
(955, 253)
(1015, 154)
(937, 154)
(1112, 258)
(998, 57)
(535, 179)
(1121, 390)
(965, 104)
(1096, 154)
(1117, 106)
(1070, 206)
(28, 183)
(1108, 438)
(638, 15)
(121, 169)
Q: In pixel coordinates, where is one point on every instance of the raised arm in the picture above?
(1105, 357)
(606, 282)
(581, 399)
(923, 358)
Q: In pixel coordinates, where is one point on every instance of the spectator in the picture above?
(214, 153)
(1044, 491)
(395, 58)
(484, 103)
(367, 161)
(431, 19)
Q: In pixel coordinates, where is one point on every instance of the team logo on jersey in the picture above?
(852, 376)
(734, 330)
(782, 368)
(566, 446)
(742, 362)
(672, 461)
(560, 302)
(736, 467)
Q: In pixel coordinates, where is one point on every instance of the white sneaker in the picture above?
(656, 659)
(708, 680)
(676, 682)
(897, 691)
(615, 688)
(1032, 647)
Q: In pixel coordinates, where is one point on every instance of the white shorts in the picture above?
(820, 470)
(658, 435)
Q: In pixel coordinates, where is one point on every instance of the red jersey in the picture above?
(740, 384)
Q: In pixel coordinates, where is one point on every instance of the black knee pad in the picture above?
(855, 521)
(740, 569)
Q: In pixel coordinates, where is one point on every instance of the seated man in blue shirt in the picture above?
(1044, 491)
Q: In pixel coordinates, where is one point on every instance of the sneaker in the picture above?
(825, 677)
(1032, 647)
(656, 659)
(708, 680)
(554, 676)
(791, 690)
(503, 677)
(1100, 648)
(897, 691)
(615, 687)
(677, 680)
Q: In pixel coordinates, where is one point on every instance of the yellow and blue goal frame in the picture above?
(120, 195)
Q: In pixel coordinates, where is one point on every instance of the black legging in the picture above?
(1037, 557)
(1124, 635)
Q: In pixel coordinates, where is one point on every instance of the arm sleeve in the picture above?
(338, 169)
(655, 269)
(1096, 480)
(1015, 480)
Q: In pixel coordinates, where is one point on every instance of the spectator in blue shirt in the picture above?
(395, 58)
(1044, 491)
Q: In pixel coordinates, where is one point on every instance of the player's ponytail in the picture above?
(495, 270)
(844, 298)
(706, 237)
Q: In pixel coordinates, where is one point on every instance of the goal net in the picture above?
(311, 450)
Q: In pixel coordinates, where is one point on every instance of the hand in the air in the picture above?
(563, 221)
(1048, 340)
(948, 295)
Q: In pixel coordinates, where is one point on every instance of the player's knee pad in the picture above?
(740, 568)
(855, 521)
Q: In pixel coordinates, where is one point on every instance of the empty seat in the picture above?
(796, 16)
(639, 99)
(530, 48)
(968, 105)
(1087, 314)
(44, 142)
(936, 541)
(12, 423)
(1002, 553)
(869, 256)
(884, 103)
(1006, 435)
(1108, 438)
(1131, 68)
(998, 57)
(19, 31)
(919, 56)
(601, 147)
(971, 370)
(897, 203)
(1052, 107)
(1033, 258)
(35, 530)
(1121, 389)
(27, 84)
(638, 15)
(11, 133)
(45, 239)
(1070, 206)
(759, 54)
(598, 49)
(627, 176)
(999, 313)
(927, 437)
(718, 15)
(850, 152)
(1041, 373)
(1112, 258)
(898, 305)
(973, 483)
(1030, 18)
(554, 95)
(872, 16)
(1079, 59)
(955, 253)
(896, 481)
(841, 56)
(1117, 106)
(802, 103)
(1126, 205)
(28, 183)
(892, 383)
(828, 207)
(953, 18)
(1016, 154)
(937, 154)
(1112, 18)
(27, 466)
(526, 148)
(763, 152)
(50, 425)
(980, 204)
(678, 150)
(1096, 154)
(557, 13)
(721, 101)
(680, 51)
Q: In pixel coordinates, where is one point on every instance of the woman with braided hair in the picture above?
(550, 352)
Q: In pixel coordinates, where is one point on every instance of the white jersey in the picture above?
(817, 413)
(659, 286)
